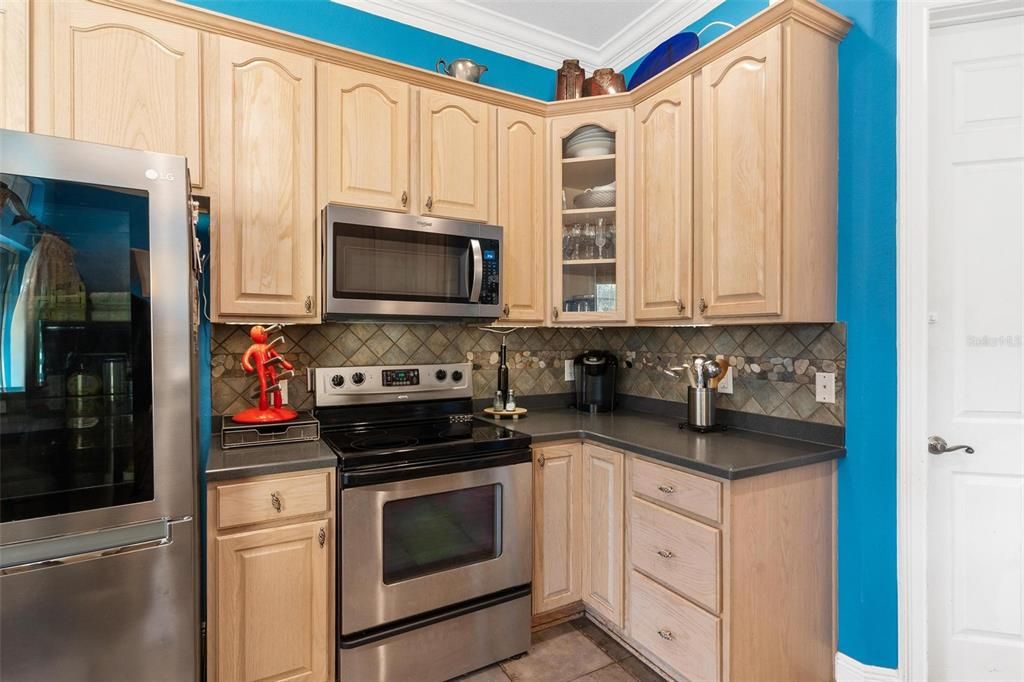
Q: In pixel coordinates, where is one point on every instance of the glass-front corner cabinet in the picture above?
(589, 218)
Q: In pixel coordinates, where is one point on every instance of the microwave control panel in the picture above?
(489, 291)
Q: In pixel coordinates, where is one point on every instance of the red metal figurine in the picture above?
(261, 358)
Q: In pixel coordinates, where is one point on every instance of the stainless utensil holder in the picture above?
(700, 407)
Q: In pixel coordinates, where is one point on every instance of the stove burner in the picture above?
(381, 442)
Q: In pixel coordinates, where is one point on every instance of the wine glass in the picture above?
(611, 240)
(566, 242)
(590, 232)
(601, 239)
(577, 232)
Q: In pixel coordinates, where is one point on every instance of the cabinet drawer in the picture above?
(678, 489)
(272, 499)
(681, 553)
(685, 637)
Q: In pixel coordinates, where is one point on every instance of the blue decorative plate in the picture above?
(663, 56)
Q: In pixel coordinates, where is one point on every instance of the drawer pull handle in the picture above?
(322, 537)
(665, 553)
(667, 489)
(666, 634)
(275, 500)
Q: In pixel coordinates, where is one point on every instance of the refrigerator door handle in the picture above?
(30, 556)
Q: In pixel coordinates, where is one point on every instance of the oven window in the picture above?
(435, 533)
(400, 265)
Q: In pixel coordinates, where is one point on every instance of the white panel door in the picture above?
(976, 352)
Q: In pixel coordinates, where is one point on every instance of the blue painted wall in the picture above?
(357, 30)
(867, 303)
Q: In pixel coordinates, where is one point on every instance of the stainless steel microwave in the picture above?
(378, 263)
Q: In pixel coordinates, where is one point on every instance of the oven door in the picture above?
(381, 263)
(412, 546)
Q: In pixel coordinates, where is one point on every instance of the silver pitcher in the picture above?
(463, 69)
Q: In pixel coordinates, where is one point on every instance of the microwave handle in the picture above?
(478, 271)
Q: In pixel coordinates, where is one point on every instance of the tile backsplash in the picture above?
(773, 365)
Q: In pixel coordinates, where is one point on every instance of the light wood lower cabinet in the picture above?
(557, 488)
(270, 583)
(266, 239)
(708, 579)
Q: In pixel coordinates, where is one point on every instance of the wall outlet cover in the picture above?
(568, 370)
(725, 383)
(825, 387)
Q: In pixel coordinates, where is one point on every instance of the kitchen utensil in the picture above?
(712, 369)
(698, 370)
(687, 369)
(569, 81)
(462, 69)
(604, 82)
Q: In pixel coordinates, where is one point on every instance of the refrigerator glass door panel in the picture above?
(96, 346)
(127, 616)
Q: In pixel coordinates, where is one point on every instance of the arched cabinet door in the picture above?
(364, 123)
(457, 139)
(741, 208)
(118, 78)
(663, 259)
(266, 248)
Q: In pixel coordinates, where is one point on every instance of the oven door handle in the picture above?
(477, 277)
(405, 471)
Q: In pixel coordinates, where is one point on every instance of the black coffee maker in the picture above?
(594, 371)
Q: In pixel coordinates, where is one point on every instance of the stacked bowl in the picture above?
(590, 140)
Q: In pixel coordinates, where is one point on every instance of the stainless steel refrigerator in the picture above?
(98, 537)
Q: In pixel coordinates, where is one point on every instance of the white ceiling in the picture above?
(599, 33)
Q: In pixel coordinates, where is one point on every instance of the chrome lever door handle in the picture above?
(937, 445)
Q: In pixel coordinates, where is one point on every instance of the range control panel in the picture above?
(387, 384)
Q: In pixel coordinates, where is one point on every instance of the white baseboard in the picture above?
(852, 670)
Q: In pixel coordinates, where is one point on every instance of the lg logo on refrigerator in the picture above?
(153, 174)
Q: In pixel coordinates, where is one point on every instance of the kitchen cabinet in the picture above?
(270, 578)
(664, 205)
(591, 236)
(457, 140)
(364, 137)
(14, 44)
(602, 539)
(768, 173)
(266, 236)
(521, 174)
(557, 486)
(106, 75)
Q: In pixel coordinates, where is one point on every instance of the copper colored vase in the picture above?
(569, 84)
(604, 82)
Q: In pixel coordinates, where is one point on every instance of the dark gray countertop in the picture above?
(258, 460)
(729, 454)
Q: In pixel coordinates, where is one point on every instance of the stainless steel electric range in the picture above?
(434, 528)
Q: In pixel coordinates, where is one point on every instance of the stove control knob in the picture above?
(440, 375)
(358, 378)
(337, 381)
(456, 376)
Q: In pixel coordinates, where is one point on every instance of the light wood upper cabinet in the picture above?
(261, 119)
(14, 76)
(664, 205)
(364, 132)
(742, 179)
(273, 603)
(521, 213)
(602, 547)
(457, 139)
(557, 485)
(110, 76)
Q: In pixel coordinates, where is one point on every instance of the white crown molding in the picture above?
(506, 35)
(851, 670)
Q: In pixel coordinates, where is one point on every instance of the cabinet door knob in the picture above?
(275, 500)
(540, 461)
(702, 306)
(554, 311)
(667, 489)
(322, 537)
(504, 310)
(666, 634)
(430, 203)
(665, 553)
(679, 306)
(309, 304)
(405, 199)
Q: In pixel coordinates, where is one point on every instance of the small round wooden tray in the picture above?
(501, 414)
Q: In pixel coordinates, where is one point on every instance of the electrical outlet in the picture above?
(725, 383)
(825, 387)
(284, 390)
(568, 370)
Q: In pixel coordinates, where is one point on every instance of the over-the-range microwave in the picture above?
(379, 263)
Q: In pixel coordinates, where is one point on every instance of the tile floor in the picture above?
(576, 650)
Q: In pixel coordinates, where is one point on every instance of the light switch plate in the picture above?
(568, 370)
(825, 387)
(725, 383)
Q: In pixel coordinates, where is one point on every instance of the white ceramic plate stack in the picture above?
(590, 140)
(602, 196)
